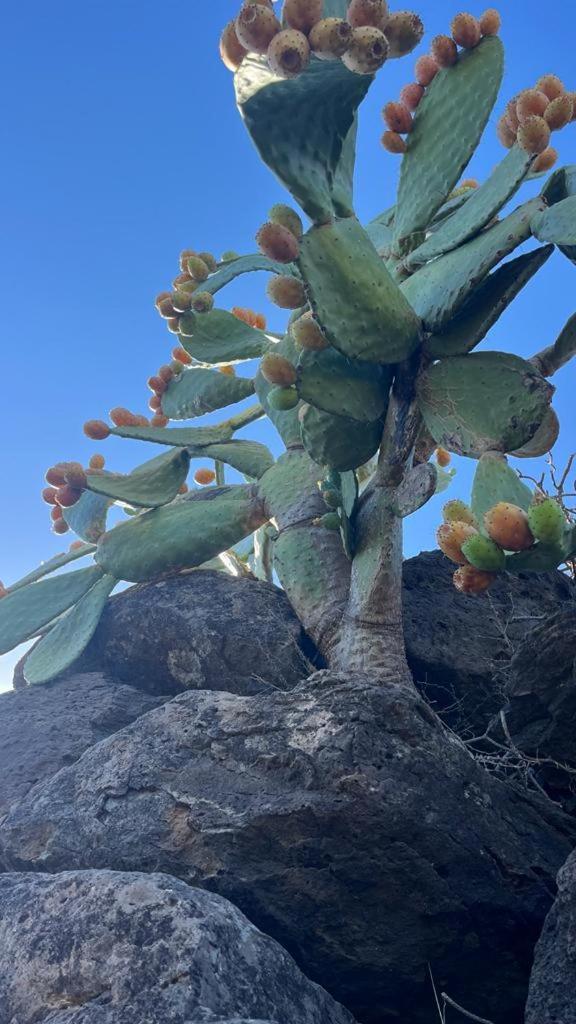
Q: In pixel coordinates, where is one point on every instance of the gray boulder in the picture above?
(552, 998)
(100, 947)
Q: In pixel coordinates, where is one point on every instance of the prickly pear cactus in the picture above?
(375, 382)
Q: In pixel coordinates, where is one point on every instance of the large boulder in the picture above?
(204, 630)
(45, 728)
(341, 818)
(100, 947)
(552, 998)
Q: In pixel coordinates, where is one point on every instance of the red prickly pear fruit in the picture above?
(278, 243)
(228, 371)
(184, 282)
(559, 112)
(288, 54)
(55, 513)
(183, 489)
(426, 69)
(155, 403)
(404, 30)
(209, 260)
(173, 325)
(505, 133)
(368, 12)
(76, 545)
(483, 553)
(534, 135)
(256, 26)
(3, 590)
(122, 417)
(551, 85)
(97, 462)
(283, 399)
(444, 51)
(55, 475)
(181, 301)
(330, 38)
(398, 118)
(278, 370)
(141, 421)
(165, 308)
(451, 537)
(181, 355)
(508, 525)
(458, 512)
(302, 14)
(202, 302)
(49, 495)
(204, 477)
(530, 103)
(490, 22)
(157, 385)
(547, 521)
(96, 430)
(307, 333)
(367, 52)
(287, 218)
(166, 373)
(443, 458)
(160, 298)
(472, 581)
(231, 50)
(159, 420)
(68, 496)
(511, 114)
(286, 292)
(75, 475)
(60, 526)
(197, 269)
(393, 143)
(411, 95)
(466, 31)
(546, 160)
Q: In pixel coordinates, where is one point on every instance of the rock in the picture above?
(459, 648)
(204, 630)
(552, 997)
(100, 947)
(341, 818)
(45, 728)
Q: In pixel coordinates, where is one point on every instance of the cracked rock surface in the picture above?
(552, 998)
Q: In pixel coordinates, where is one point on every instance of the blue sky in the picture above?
(121, 146)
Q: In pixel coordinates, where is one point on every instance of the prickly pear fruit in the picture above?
(511, 113)
(329, 521)
(444, 51)
(398, 118)
(122, 417)
(490, 22)
(505, 133)
(49, 495)
(3, 590)
(466, 31)
(229, 255)
(393, 143)
(443, 458)
(330, 38)
(181, 301)
(159, 420)
(559, 112)
(76, 545)
(469, 580)
(231, 50)
(302, 14)
(184, 257)
(165, 308)
(508, 525)
(289, 53)
(173, 325)
(60, 526)
(278, 370)
(411, 95)
(425, 70)
(67, 496)
(546, 160)
(97, 462)
(74, 475)
(484, 554)
(534, 135)
(96, 430)
(368, 12)
(202, 302)
(55, 513)
(157, 385)
(287, 218)
(531, 103)
(181, 355)
(228, 370)
(204, 476)
(256, 26)
(551, 85)
(367, 52)
(166, 373)
(283, 399)
(547, 521)
(286, 292)
(332, 498)
(197, 269)
(307, 333)
(55, 475)
(404, 30)
(209, 260)
(451, 537)
(278, 243)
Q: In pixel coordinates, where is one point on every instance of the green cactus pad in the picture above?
(338, 442)
(183, 535)
(544, 439)
(285, 420)
(178, 437)
(88, 516)
(359, 307)
(447, 128)
(495, 481)
(52, 565)
(248, 457)
(540, 558)
(69, 637)
(438, 291)
(484, 554)
(486, 305)
(219, 337)
(25, 611)
(486, 401)
(155, 482)
(557, 224)
(228, 272)
(380, 230)
(483, 205)
(560, 185)
(552, 359)
(198, 391)
(346, 387)
(416, 489)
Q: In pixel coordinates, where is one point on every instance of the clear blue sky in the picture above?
(121, 146)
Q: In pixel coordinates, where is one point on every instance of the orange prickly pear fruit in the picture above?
(278, 370)
(508, 525)
(559, 112)
(159, 420)
(307, 334)
(443, 458)
(204, 476)
(49, 495)
(411, 95)
(97, 462)
(551, 85)
(278, 243)
(289, 53)
(469, 580)
(367, 52)
(505, 133)
(286, 292)
(511, 114)
(398, 118)
(260, 321)
(404, 30)
(451, 537)
(231, 50)
(181, 355)
(547, 521)
(183, 489)
(466, 31)
(426, 69)
(228, 370)
(302, 14)
(490, 22)
(256, 26)
(330, 38)
(546, 160)
(368, 12)
(531, 103)
(393, 143)
(458, 512)
(444, 51)
(76, 545)
(287, 218)
(122, 417)
(160, 298)
(96, 430)
(534, 135)
(60, 526)
(67, 496)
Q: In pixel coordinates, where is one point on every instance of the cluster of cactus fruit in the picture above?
(376, 382)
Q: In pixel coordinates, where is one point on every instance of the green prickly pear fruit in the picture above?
(184, 257)
(508, 525)
(393, 143)
(367, 52)
(289, 53)
(398, 118)
(332, 498)
(551, 85)
(534, 135)
(230, 255)
(368, 12)
(256, 26)
(209, 260)
(426, 69)
(283, 399)
(444, 51)
(176, 367)
(546, 520)
(330, 38)
(404, 30)
(197, 269)
(505, 133)
(458, 512)
(330, 521)
(181, 301)
(469, 580)
(546, 160)
(302, 14)
(466, 31)
(490, 22)
(286, 292)
(484, 554)
(278, 243)
(307, 333)
(411, 95)
(278, 370)
(202, 302)
(231, 50)
(451, 537)
(559, 112)
(287, 218)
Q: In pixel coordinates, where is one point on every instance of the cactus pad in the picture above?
(346, 387)
(250, 458)
(88, 516)
(198, 390)
(557, 224)
(220, 337)
(155, 482)
(229, 271)
(338, 442)
(178, 437)
(26, 611)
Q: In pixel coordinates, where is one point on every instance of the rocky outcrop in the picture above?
(341, 818)
(552, 998)
(100, 947)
